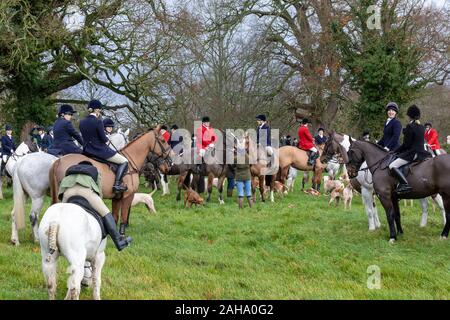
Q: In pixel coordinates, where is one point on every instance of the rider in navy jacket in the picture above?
(95, 144)
(264, 129)
(392, 128)
(64, 133)
(8, 145)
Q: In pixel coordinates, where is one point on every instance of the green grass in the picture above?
(296, 248)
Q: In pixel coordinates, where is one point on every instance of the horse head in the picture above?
(355, 158)
(334, 146)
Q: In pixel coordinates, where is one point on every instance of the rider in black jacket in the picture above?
(412, 148)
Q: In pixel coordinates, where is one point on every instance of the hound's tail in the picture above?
(52, 240)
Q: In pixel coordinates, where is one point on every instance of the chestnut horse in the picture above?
(136, 152)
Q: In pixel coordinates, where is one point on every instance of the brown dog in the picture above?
(192, 197)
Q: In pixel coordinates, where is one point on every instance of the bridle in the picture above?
(165, 154)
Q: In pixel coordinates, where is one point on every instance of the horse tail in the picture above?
(154, 189)
(53, 182)
(19, 201)
(52, 240)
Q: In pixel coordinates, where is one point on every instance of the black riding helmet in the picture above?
(413, 112)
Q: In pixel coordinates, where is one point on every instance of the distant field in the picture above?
(296, 248)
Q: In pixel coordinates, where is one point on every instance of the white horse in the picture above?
(367, 192)
(21, 150)
(31, 179)
(67, 229)
(118, 140)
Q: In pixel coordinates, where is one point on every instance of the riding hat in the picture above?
(8, 127)
(392, 106)
(320, 129)
(413, 112)
(261, 117)
(175, 127)
(95, 104)
(66, 109)
(205, 119)
(428, 124)
(84, 167)
(108, 122)
(164, 127)
(366, 132)
(39, 128)
(305, 121)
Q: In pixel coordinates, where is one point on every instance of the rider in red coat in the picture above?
(165, 133)
(306, 141)
(432, 139)
(205, 139)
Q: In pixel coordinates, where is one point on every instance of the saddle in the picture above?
(405, 169)
(83, 203)
(112, 166)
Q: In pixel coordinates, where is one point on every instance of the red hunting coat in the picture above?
(431, 137)
(206, 136)
(305, 139)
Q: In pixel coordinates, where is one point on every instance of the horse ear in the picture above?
(351, 140)
(157, 128)
(127, 132)
(119, 131)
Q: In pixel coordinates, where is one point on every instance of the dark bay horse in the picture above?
(136, 152)
(426, 179)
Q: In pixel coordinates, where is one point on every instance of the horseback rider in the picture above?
(8, 147)
(165, 133)
(306, 141)
(83, 180)
(175, 139)
(95, 143)
(40, 138)
(65, 133)
(320, 139)
(412, 148)
(365, 135)
(392, 128)
(432, 139)
(263, 130)
(205, 139)
(109, 125)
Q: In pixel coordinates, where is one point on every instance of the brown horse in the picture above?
(136, 151)
(426, 179)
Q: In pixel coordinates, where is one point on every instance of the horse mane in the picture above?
(374, 144)
(136, 137)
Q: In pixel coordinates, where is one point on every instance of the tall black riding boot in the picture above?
(110, 226)
(312, 158)
(121, 171)
(403, 186)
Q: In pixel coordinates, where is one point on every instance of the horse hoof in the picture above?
(391, 241)
(443, 238)
(15, 242)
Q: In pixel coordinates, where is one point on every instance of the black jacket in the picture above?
(413, 143)
(64, 136)
(8, 145)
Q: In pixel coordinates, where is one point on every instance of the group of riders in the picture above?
(82, 179)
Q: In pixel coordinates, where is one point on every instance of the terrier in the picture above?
(330, 185)
(336, 194)
(347, 196)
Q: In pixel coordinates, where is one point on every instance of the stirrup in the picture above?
(403, 189)
(119, 188)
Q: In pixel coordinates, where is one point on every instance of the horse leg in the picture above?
(76, 260)
(36, 206)
(14, 232)
(424, 205)
(437, 198)
(97, 265)
(220, 189)
(390, 215)
(262, 183)
(446, 200)
(1, 186)
(305, 179)
(49, 268)
(125, 205)
(180, 186)
(116, 209)
(272, 188)
(210, 187)
(397, 215)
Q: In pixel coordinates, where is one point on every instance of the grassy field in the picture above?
(296, 248)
